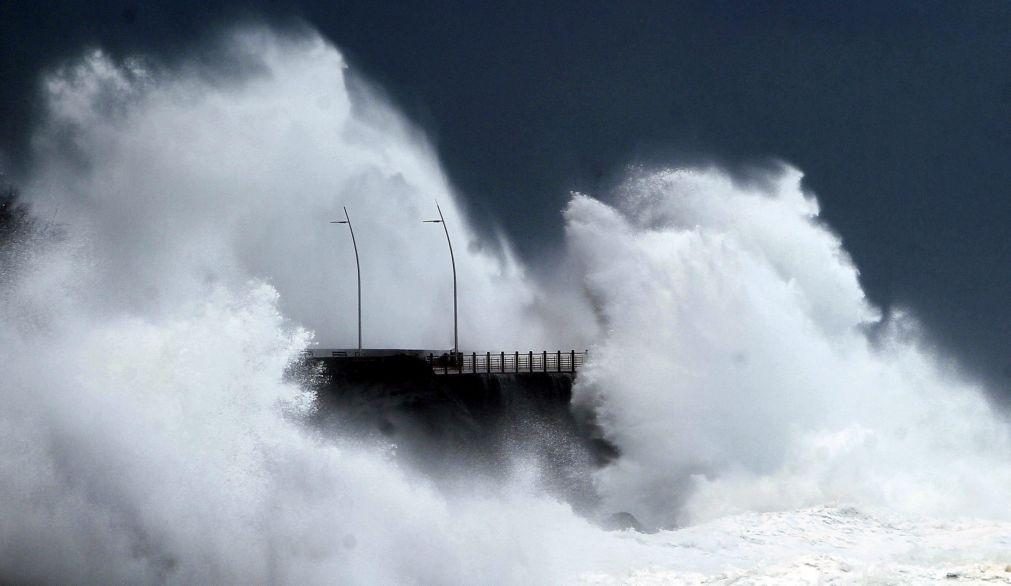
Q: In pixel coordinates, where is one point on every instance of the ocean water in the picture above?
(773, 426)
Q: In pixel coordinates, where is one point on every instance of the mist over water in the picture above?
(148, 434)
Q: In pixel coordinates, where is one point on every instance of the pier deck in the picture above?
(487, 363)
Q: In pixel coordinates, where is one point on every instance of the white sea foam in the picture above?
(737, 373)
(135, 450)
(147, 434)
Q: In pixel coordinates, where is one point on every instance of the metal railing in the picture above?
(515, 362)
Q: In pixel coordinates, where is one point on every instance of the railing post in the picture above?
(516, 366)
(530, 361)
(502, 362)
(487, 362)
(572, 358)
(544, 360)
(473, 362)
(559, 359)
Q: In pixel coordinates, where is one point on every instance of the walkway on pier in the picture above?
(529, 362)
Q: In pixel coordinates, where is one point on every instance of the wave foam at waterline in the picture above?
(136, 450)
(824, 545)
(737, 373)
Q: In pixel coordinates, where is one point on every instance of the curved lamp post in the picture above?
(442, 220)
(347, 221)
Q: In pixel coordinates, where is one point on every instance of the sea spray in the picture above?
(137, 450)
(178, 179)
(737, 374)
(147, 434)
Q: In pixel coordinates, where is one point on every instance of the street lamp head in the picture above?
(339, 222)
(432, 221)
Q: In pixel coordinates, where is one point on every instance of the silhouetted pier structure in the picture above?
(456, 363)
(449, 411)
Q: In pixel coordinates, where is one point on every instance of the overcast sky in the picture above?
(899, 113)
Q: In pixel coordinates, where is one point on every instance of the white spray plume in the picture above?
(182, 182)
(736, 373)
(147, 435)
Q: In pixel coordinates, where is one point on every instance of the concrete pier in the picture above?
(469, 421)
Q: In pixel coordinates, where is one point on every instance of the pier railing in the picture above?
(514, 362)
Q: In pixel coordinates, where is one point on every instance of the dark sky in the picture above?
(898, 112)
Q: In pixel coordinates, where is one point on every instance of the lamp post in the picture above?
(442, 220)
(358, 265)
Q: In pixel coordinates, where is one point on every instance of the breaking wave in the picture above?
(148, 433)
(739, 371)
